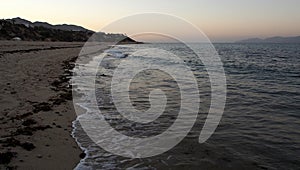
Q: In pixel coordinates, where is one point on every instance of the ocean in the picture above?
(259, 128)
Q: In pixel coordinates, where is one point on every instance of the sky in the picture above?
(220, 20)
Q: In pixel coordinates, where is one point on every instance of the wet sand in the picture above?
(36, 105)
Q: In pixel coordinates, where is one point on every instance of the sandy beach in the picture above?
(37, 112)
(36, 105)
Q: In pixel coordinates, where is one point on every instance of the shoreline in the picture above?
(36, 105)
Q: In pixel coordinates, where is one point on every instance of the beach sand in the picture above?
(36, 105)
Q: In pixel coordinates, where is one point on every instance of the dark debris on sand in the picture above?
(41, 107)
(27, 126)
(27, 146)
(6, 157)
(28, 131)
(62, 83)
(82, 155)
(12, 142)
(19, 117)
(29, 122)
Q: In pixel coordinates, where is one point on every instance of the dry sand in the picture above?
(36, 105)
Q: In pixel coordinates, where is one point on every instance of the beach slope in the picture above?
(36, 105)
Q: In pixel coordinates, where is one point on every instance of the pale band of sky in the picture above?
(221, 20)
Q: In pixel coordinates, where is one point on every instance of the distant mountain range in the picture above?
(272, 40)
(64, 27)
(22, 29)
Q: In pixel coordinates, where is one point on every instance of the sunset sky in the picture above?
(221, 21)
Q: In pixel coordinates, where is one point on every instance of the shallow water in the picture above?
(260, 125)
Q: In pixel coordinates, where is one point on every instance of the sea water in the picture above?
(260, 124)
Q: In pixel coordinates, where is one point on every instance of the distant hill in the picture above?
(43, 31)
(272, 40)
(64, 27)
